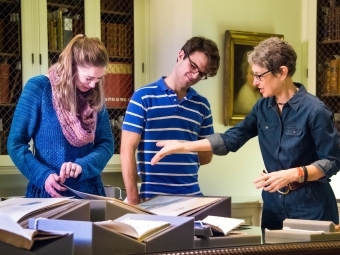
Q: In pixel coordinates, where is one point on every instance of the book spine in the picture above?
(112, 38)
(103, 33)
(60, 32)
(122, 40)
(338, 85)
(4, 83)
(333, 66)
(327, 81)
(67, 30)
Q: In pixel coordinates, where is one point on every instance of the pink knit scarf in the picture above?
(78, 130)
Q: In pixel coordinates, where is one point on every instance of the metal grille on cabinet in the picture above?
(328, 55)
(10, 66)
(117, 35)
(65, 19)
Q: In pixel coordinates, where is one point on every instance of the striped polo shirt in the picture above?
(155, 113)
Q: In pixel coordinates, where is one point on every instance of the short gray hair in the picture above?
(273, 53)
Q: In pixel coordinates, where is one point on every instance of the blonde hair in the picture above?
(80, 51)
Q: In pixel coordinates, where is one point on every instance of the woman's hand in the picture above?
(69, 170)
(169, 147)
(276, 180)
(52, 185)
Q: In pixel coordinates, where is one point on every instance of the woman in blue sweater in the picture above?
(64, 114)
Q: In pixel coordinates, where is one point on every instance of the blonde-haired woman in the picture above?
(64, 114)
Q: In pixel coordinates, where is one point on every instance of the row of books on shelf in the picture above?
(332, 77)
(62, 28)
(115, 38)
(331, 23)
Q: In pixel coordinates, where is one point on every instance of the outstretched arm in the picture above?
(173, 146)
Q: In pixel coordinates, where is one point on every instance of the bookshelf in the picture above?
(328, 45)
(65, 19)
(117, 33)
(32, 22)
(10, 65)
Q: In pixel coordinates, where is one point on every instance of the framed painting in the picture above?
(239, 93)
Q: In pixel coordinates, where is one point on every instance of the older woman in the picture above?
(299, 144)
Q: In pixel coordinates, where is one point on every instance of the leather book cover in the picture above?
(118, 84)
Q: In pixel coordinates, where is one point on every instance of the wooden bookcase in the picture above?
(117, 33)
(328, 45)
(34, 32)
(10, 65)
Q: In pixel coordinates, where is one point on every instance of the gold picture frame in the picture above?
(237, 44)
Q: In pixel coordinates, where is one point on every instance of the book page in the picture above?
(138, 229)
(12, 233)
(176, 205)
(8, 224)
(111, 199)
(222, 224)
(18, 207)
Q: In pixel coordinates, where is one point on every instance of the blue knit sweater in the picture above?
(35, 119)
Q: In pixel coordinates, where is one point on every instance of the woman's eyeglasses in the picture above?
(259, 76)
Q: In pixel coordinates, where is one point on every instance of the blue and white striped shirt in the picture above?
(155, 113)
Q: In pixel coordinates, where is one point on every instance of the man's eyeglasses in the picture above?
(194, 69)
(259, 76)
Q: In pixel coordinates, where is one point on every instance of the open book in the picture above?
(138, 229)
(12, 233)
(222, 225)
(20, 209)
(167, 205)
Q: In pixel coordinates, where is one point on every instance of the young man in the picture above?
(169, 109)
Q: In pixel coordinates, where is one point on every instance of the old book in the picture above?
(67, 30)
(222, 225)
(333, 69)
(167, 205)
(4, 83)
(118, 202)
(12, 233)
(60, 32)
(338, 59)
(137, 229)
(112, 38)
(118, 84)
(103, 33)
(19, 208)
(122, 40)
(176, 205)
